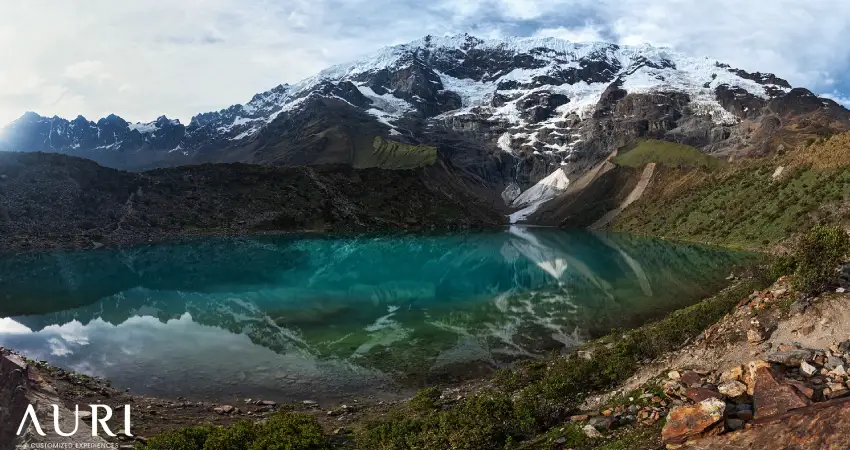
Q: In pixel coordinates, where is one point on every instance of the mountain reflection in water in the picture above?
(289, 317)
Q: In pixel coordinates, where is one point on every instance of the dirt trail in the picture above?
(636, 193)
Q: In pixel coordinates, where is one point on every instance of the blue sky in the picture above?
(143, 59)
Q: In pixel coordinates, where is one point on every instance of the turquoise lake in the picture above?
(303, 317)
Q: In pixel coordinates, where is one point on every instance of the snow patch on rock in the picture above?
(535, 196)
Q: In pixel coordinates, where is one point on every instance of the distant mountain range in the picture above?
(500, 115)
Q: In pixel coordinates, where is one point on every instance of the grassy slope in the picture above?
(743, 205)
(664, 153)
(388, 154)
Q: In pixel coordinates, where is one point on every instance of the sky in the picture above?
(147, 58)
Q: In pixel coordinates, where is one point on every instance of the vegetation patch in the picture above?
(665, 153)
(389, 154)
(282, 431)
(815, 258)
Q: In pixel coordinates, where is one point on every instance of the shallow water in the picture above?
(291, 318)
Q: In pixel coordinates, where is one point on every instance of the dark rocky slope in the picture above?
(57, 201)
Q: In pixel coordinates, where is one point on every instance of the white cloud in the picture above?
(87, 69)
(843, 100)
(587, 33)
(143, 59)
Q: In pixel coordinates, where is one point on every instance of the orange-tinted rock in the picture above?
(690, 378)
(699, 394)
(771, 397)
(801, 388)
(823, 425)
(689, 422)
(749, 375)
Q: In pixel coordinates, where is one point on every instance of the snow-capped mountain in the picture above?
(501, 113)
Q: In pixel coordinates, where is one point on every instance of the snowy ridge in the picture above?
(524, 96)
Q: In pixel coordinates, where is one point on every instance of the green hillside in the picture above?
(665, 153)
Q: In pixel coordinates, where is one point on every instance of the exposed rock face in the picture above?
(21, 386)
(820, 426)
(497, 111)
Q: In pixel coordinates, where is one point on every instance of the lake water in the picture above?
(293, 318)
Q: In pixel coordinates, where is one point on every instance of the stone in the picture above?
(699, 394)
(801, 388)
(844, 346)
(602, 422)
(808, 369)
(824, 425)
(732, 389)
(309, 403)
(836, 390)
(840, 290)
(579, 418)
(224, 409)
(687, 422)
(691, 378)
(267, 403)
(839, 371)
(750, 374)
(591, 432)
(607, 413)
(745, 415)
(585, 354)
(790, 357)
(674, 375)
(84, 414)
(734, 424)
(735, 373)
(770, 397)
(832, 362)
(756, 335)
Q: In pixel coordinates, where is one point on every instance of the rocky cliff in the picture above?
(501, 115)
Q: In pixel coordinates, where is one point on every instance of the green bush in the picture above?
(783, 265)
(282, 431)
(192, 438)
(818, 254)
(236, 437)
(290, 431)
(425, 400)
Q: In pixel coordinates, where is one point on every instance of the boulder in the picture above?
(790, 357)
(695, 421)
(699, 394)
(732, 388)
(802, 388)
(735, 373)
(591, 432)
(771, 397)
(824, 425)
(808, 369)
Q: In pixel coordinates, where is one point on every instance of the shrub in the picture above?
(236, 437)
(192, 438)
(282, 431)
(817, 255)
(425, 400)
(290, 431)
(783, 265)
